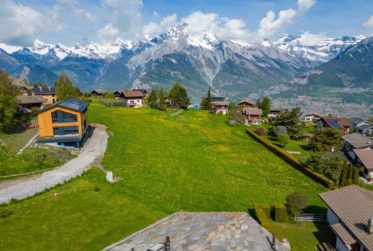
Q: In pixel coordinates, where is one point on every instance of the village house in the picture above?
(30, 103)
(350, 216)
(365, 128)
(98, 93)
(133, 98)
(247, 103)
(273, 112)
(312, 117)
(48, 93)
(364, 160)
(252, 115)
(202, 231)
(64, 123)
(220, 107)
(216, 98)
(342, 123)
(357, 141)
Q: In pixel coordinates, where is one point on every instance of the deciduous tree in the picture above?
(65, 88)
(179, 97)
(8, 104)
(290, 119)
(326, 140)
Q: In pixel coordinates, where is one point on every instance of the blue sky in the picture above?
(71, 21)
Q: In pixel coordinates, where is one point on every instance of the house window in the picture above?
(65, 130)
(61, 117)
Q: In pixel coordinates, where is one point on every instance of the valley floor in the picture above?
(192, 161)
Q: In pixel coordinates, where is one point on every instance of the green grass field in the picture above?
(193, 162)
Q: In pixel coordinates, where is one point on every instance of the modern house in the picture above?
(342, 123)
(220, 107)
(98, 93)
(133, 98)
(357, 141)
(216, 98)
(350, 216)
(364, 160)
(48, 93)
(201, 231)
(312, 116)
(252, 115)
(64, 123)
(30, 103)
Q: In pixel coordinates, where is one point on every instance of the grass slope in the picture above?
(192, 162)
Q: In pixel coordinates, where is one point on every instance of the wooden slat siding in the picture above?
(46, 125)
(353, 205)
(343, 234)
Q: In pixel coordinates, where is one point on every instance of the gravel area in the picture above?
(91, 154)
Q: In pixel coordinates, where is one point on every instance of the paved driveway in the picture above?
(92, 151)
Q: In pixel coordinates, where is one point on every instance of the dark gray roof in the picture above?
(43, 91)
(217, 99)
(252, 111)
(353, 205)
(357, 140)
(70, 103)
(202, 231)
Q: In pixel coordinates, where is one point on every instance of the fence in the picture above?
(310, 217)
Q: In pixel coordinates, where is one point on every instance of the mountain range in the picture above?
(234, 69)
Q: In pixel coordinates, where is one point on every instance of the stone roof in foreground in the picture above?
(202, 231)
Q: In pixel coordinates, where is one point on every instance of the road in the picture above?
(91, 154)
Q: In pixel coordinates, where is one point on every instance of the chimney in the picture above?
(370, 226)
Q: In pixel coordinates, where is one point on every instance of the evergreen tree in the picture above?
(326, 139)
(342, 180)
(161, 103)
(179, 97)
(290, 119)
(152, 100)
(8, 104)
(355, 175)
(349, 176)
(65, 88)
(265, 105)
(206, 101)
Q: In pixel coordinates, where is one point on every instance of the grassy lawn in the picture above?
(193, 162)
(15, 141)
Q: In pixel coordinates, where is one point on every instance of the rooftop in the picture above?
(337, 123)
(25, 100)
(43, 90)
(357, 140)
(354, 206)
(202, 231)
(366, 157)
(216, 98)
(223, 103)
(252, 111)
(70, 103)
(247, 102)
(133, 94)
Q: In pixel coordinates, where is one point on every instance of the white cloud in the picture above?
(271, 23)
(311, 39)
(126, 16)
(368, 23)
(21, 24)
(153, 28)
(109, 31)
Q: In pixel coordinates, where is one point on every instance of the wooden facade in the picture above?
(64, 123)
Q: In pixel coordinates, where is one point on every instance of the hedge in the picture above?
(262, 217)
(293, 161)
(281, 214)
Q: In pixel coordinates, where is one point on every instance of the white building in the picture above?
(133, 98)
(310, 117)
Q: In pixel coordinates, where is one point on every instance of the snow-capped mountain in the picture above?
(231, 68)
(319, 51)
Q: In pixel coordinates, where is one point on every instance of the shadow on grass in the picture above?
(323, 233)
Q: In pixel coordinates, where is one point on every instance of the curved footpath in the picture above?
(92, 151)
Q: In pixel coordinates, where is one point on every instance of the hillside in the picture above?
(192, 162)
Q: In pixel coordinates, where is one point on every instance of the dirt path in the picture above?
(91, 154)
(27, 144)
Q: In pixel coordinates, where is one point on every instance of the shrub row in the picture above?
(293, 161)
(262, 216)
(281, 213)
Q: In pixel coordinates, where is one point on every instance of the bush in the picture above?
(96, 189)
(295, 202)
(278, 130)
(85, 99)
(261, 131)
(262, 217)
(5, 213)
(281, 213)
(293, 161)
(283, 139)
